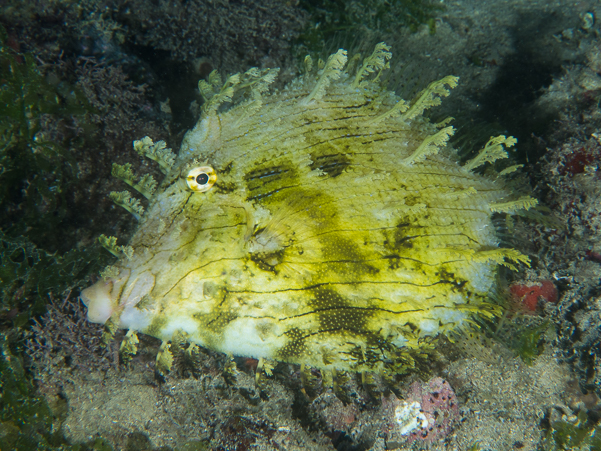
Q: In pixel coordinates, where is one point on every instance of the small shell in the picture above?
(588, 20)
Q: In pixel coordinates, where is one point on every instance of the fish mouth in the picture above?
(102, 298)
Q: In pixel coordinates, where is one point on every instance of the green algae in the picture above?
(528, 344)
(582, 434)
(36, 165)
(28, 275)
(36, 173)
(25, 419)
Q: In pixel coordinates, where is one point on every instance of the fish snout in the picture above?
(102, 298)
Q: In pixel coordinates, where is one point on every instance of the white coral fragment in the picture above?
(409, 417)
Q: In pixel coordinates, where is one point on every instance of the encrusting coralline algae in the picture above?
(327, 224)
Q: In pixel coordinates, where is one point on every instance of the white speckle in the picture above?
(400, 341)
(428, 327)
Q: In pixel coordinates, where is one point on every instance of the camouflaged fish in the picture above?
(328, 224)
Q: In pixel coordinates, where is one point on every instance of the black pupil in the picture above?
(202, 179)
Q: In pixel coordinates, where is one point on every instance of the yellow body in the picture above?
(340, 232)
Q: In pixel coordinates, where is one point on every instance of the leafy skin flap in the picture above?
(431, 145)
(332, 71)
(337, 234)
(492, 152)
(431, 96)
(155, 151)
(145, 185)
(131, 204)
(376, 62)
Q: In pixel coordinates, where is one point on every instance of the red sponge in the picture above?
(530, 294)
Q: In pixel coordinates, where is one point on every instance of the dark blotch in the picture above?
(332, 165)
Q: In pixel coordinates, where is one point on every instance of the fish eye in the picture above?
(201, 179)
